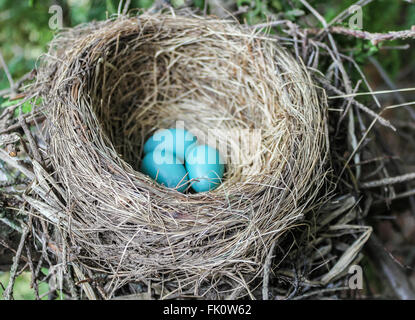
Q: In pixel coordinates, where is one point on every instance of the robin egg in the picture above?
(205, 166)
(176, 141)
(165, 168)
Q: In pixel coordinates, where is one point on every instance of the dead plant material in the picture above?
(109, 85)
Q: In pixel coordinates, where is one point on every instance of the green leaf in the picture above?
(9, 103)
(241, 3)
(25, 107)
(295, 13)
(177, 3)
(276, 4)
(110, 7)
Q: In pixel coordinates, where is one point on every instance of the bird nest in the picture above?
(108, 86)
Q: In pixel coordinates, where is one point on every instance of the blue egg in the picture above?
(206, 166)
(176, 141)
(166, 169)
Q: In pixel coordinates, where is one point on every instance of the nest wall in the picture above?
(109, 85)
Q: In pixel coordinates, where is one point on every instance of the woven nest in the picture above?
(108, 86)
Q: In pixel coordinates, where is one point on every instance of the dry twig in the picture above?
(375, 38)
(8, 293)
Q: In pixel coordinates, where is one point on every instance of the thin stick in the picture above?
(356, 149)
(29, 119)
(71, 284)
(361, 106)
(15, 164)
(119, 6)
(388, 181)
(267, 267)
(8, 293)
(126, 6)
(32, 142)
(400, 105)
(28, 76)
(6, 70)
(33, 281)
(375, 38)
(373, 92)
(405, 194)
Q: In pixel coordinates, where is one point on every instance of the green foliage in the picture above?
(363, 50)
(26, 107)
(142, 4)
(199, 3)
(25, 32)
(23, 37)
(22, 290)
(177, 3)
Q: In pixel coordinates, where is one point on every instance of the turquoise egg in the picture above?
(206, 166)
(168, 170)
(176, 141)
